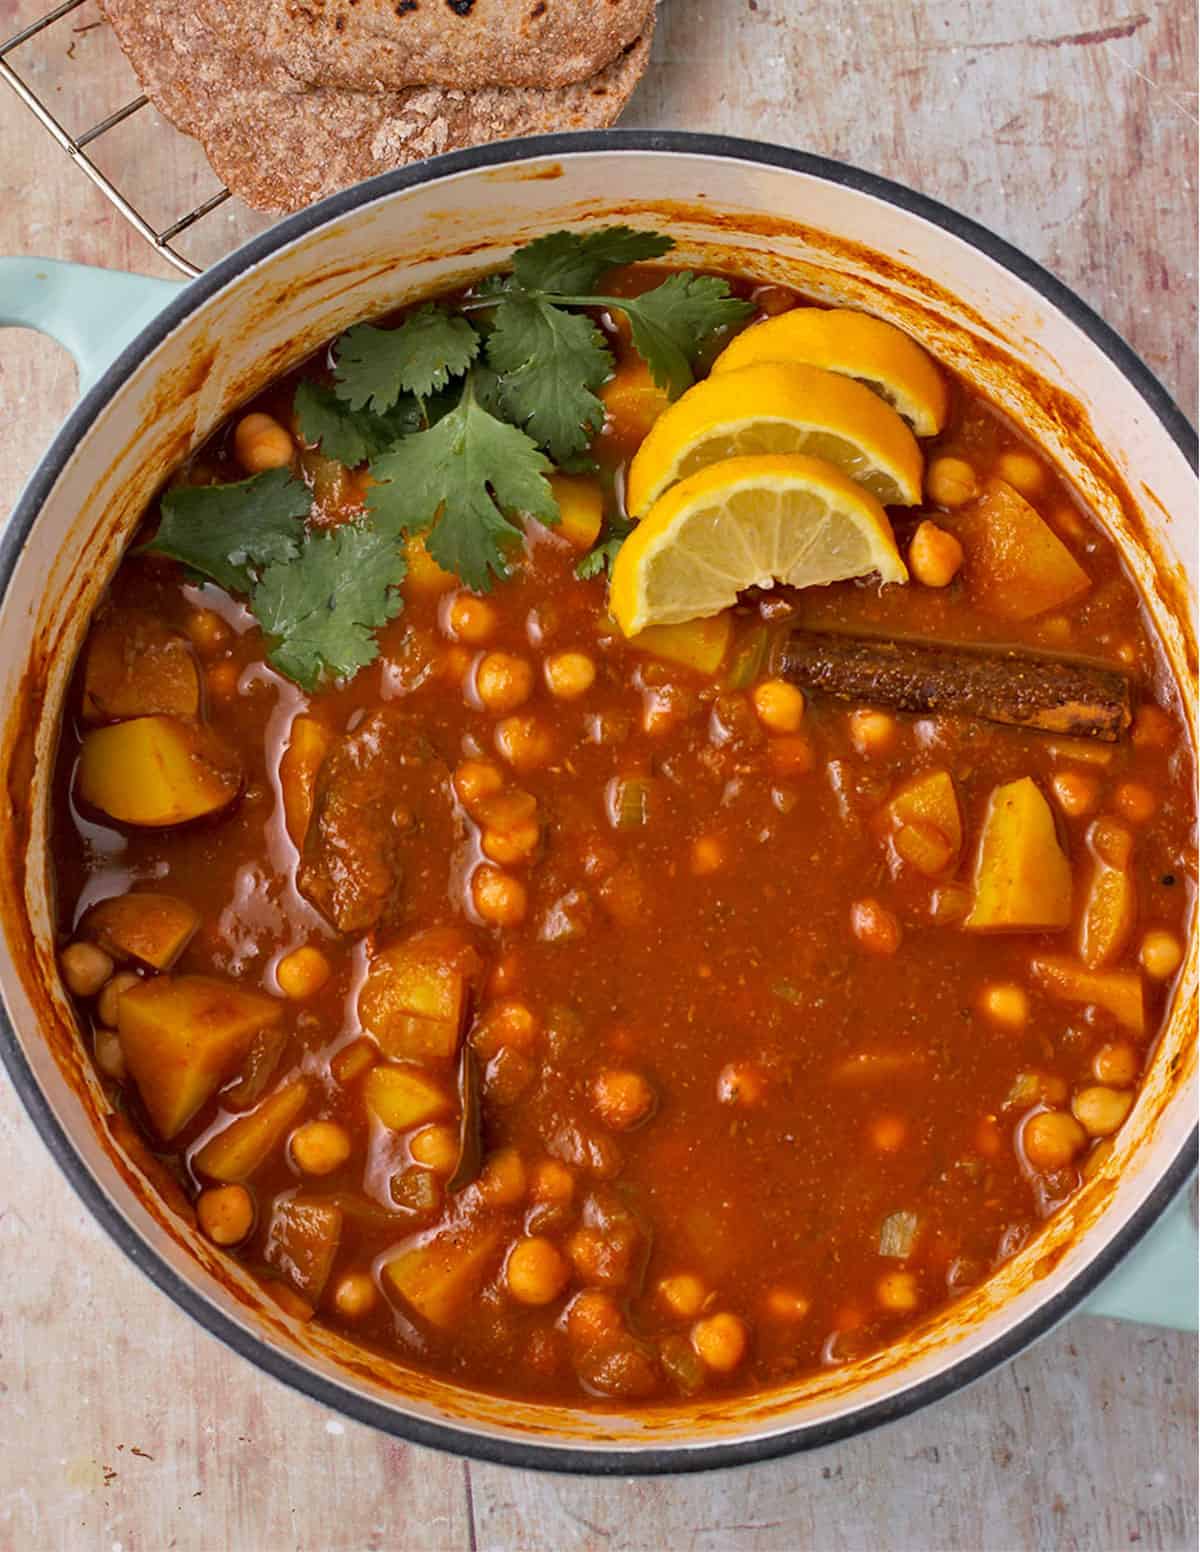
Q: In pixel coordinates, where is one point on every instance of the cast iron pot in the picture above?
(162, 365)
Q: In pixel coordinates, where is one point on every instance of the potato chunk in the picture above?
(1110, 911)
(153, 929)
(926, 823)
(302, 1241)
(137, 667)
(1118, 992)
(182, 1036)
(239, 1148)
(157, 771)
(308, 744)
(414, 1000)
(1022, 878)
(437, 1279)
(1016, 565)
(403, 1097)
(698, 644)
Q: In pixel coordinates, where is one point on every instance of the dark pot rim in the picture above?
(598, 1460)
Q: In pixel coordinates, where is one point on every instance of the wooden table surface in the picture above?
(1069, 127)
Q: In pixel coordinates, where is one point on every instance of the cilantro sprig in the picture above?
(460, 415)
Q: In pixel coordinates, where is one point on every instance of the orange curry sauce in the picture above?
(743, 1070)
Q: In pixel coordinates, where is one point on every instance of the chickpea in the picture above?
(897, 1293)
(569, 675)
(1101, 1110)
(872, 732)
(1152, 728)
(593, 1317)
(524, 742)
(225, 1213)
(1052, 1139)
(536, 1271)
(85, 968)
(320, 1147)
(1135, 801)
(786, 1304)
(502, 1180)
(1069, 524)
(951, 482)
(222, 680)
(551, 1181)
(1117, 1063)
(1077, 792)
(622, 1098)
(780, 705)
(1161, 954)
(720, 1341)
(683, 1294)
(454, 665)
(435, 1147)
(791, 755)
(512, 847)
(1023, 472)
(888, 1133)
(505, 975)
(987, 1137)
(355, 1295)
(110, 1058)
(109, 1003)
(741, 1083)
(500, 899)
(875, 927)
(709, 855)
(505, 1025)
(1005, 1004)
(773, 300)
(934, 556)
(503, 682)
(470, 619)
(260, 442)
(206, 630)
(302, 973)
(475, 781)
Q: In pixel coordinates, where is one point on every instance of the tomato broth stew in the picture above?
(592, 1018)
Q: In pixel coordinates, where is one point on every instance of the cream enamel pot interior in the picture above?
(767, 212)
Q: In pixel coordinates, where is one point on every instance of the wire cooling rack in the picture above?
(76, 146)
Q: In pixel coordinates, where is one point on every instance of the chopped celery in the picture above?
(629, 802)
(898, 1235)
(748, 659)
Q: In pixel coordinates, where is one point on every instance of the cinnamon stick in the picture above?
(994, 684)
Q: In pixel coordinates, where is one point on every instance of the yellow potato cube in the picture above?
(136, 667)
(698, 644)
(182, 1036)
(925, 813)
(403, 1097)
(1022, 878)
(414, 999)
(302, 1241)
(1016, 565)
(438, 1278)
(308, 744)
(157, 771)
(580, 509)
(153, 929)
(239, 1148)
(1119, 992)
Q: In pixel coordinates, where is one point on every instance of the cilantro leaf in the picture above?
(549, 361)
(375, 366)
(351, 436)
(228, 533)
(574, 261)
(322, 609)
(671, 323)
(466, 474)
(600, 557)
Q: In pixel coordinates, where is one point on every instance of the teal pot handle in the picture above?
(93, 312)
(96, 312)
(1159, 1283)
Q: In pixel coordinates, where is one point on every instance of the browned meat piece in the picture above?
(381, 787)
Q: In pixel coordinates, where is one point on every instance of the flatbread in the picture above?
(280, 146)
(370, 45)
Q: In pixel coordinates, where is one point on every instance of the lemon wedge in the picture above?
(879, 355)
(778, 408)
(745, 522)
